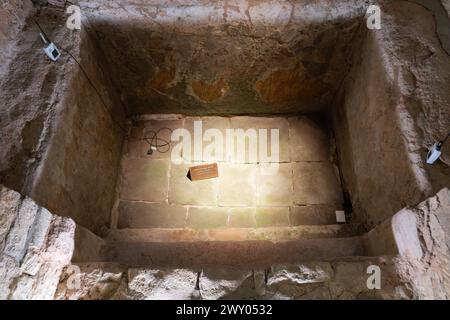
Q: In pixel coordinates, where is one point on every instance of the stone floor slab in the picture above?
(316, 183)
(134, 214)
(272, 216)
(258, 123)
(214, 136)
(313, 215)
(186, 192)
(163, 128)
(242, 217)
(237, 184)
(144, 179)
(207, 217)
(275, 185)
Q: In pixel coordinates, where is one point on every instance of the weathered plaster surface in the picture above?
(58, 142)
(78, 175)
(393, 106)
(217, 57)
(12, 18)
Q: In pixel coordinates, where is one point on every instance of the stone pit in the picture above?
(356, 110)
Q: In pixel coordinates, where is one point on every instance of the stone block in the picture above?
(136, 131)
(9, 270)
(164, 136)
(226, 283)
(257, 123)
(237, 184)
(163, 284)
(9, 202)
(212, 128)
(98, 281)
(16, 242)
(302, 281)
(186, 192)
(302, 273)
(40, 228)
(272, 216)
(207, 217)
(137, 149)
(275, 188)
(144, 179)
(151, 215)
(242, 217)
(316, 183)
(313, 215)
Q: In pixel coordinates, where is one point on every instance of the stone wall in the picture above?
(28, 91)
(35, 246)
(393, 106)
(226, 57)
(59, 144)
(315, 280)
(12, 18)
(77, 177)
(446, 4)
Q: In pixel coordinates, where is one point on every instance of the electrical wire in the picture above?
(446, 138)
(88, 79)
(159, 144)
(95, 89)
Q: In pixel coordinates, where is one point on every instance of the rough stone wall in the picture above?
(58, 142)
(341, 280)
(428, 275)
(12, 18)
(35, 246)
(393, 106)
(28, 91)
(446, 4)
(222, 57)
(78, 175)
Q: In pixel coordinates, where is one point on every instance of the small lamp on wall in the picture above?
(50, 48)
(435, 151)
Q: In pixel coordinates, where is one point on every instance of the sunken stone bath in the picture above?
(318, 124)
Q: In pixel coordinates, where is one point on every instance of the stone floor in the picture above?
(155, 191)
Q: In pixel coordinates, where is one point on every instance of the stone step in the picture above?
(254, 253)
(273, 234)
(138, 214)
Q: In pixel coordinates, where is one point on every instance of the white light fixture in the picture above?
(52, 52)
(435, 152)
(340, 216)
(50, 48)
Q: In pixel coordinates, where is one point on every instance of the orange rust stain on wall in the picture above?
(209, 92)
(289, 85)
(162, 79)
